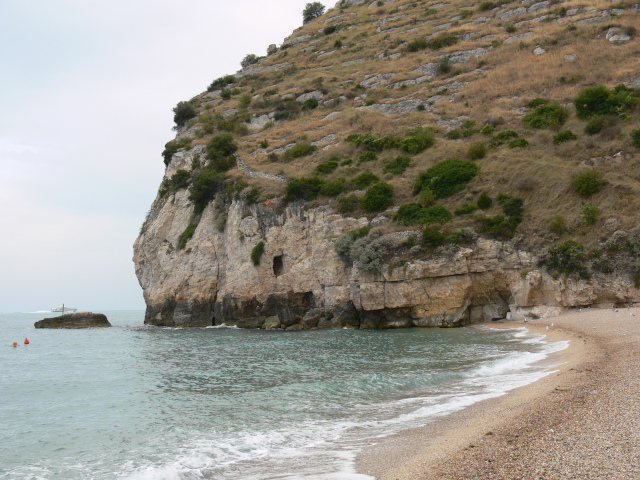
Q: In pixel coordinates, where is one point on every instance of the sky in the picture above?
(87, 89)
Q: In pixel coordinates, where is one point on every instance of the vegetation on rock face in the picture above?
(447, 177)
(248, 60)
(220, 150)
(566, 258)
(587, 182)
(546, 116)
(172, 147)
(204, 187)
(416, 214)
(564, 136)
(377, 198)
(186, 235)
(183, 112)
(256, 253)
(312, 10)
(599, 100)
(305, 188)
(220, 83)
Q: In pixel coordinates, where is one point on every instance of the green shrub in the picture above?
(204, 187)
(466, 208)
(484, 201)
(510, 28)
(220, 150)
(310, 104)
(596, 124)
(337, 43)
(367, 157)
(635, 136)
(502, 138)
(447, 177)
(417, 45)
(566, 258)
(326, 167)
(256, 253)
(172, 147)
(304, 188)
(599, 100)
(442, 41)
(518, 143)
(220, 83)
(564, 136)
(179, 180)
(444, 65)
(329, 30)
(264, 143)
(368, 256)
(416, 214)
(465, 14)
(249, 59)
(332, 188)
(452, 135)
(485, 6)
(513, 207)
(487, 129)
(477, 150)
(348, 203)
(363, 180)
(587, 182)
(186, 235)
(377, 198)
(558, 224)
(499, 227)
(397, 166)
(426, 197)
(374, 143)
(590, 214)
(432, 237)
(546, 116)
(536, 102)
(312, 10)
(183, 112)
(302, 148)
(419, 139)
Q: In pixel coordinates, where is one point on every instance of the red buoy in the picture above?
(26, 341)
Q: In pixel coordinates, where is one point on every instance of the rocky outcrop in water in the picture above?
(74, 320)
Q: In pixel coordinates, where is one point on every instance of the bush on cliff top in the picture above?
(447, 177)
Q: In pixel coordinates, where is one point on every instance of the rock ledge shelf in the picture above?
(74, 320)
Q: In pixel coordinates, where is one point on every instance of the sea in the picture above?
(141, 402)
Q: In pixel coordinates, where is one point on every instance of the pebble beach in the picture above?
(582, 421)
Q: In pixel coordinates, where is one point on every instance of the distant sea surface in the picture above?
(141, 402)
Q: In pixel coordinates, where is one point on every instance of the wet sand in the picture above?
(580, 422)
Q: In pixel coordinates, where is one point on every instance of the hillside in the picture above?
(537, 102)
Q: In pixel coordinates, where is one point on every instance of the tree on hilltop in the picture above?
(311, 11)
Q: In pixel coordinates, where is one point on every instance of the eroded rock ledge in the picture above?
(302, 283)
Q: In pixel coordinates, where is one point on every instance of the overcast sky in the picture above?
(86, 93)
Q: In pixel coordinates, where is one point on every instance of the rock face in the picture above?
(75, 320)
(301, 282)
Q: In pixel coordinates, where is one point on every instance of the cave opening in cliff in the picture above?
(277, 265)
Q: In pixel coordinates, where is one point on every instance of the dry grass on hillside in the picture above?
(491, 89)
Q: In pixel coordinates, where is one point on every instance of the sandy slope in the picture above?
(583, 421)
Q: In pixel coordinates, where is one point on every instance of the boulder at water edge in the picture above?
(75, 320)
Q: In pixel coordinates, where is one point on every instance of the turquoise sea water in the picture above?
(142, 402)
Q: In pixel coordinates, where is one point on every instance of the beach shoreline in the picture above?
(582, 420)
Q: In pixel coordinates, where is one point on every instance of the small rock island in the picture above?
(74, 320)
